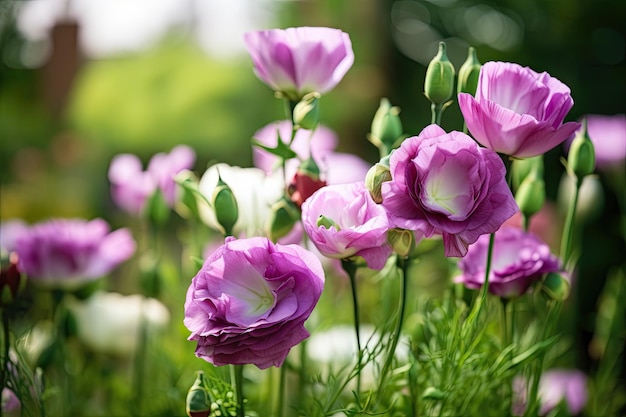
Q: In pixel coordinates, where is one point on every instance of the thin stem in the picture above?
(236, 379)
(139, 365)
(5, 352)
(568, 229)
(472, 317)
(436, 112)
(282, 383)
(350, 269)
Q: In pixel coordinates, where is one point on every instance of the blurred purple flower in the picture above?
(249, 301)
(444, 183)
(10, 230)
(517, 111)
(296, 61)
(360, 225)
(555, 385)
(335, 167)
(10, 402)
(608, 134)
(66, 253)
(132, 186)
(519, 259)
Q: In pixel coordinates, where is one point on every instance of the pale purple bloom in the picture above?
(300, 60)
(67, 253)
(519, 259)
(608, 134)
(555, 386)
(10, 230)
(517, 111)
(361, 224)
(335, 167)
(132, 186)
(444, 183)
(249, 301)
(10, 402)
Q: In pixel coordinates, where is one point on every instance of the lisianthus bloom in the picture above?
(10, 402)
(444, 183)
(249, 301)
(358, 226)
(555, 386)
(110, 322)
(296, 61)
(519, 259)
(66, 253)
(335, 167)
(517, 111)
(10, 230)
(254, 191)
(132, 186)
(608, 134)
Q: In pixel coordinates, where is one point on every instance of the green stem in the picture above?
(140, 362)
(568, 229)
(436, 111)
(236, 379)
(282, 384)
(5, 352)
(350, 269)
(473, 316)
(401, 262)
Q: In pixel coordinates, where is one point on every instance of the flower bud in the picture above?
(157, 209)
(284, 215)
(386, 126)
(375, 177)
(531, 194)
(468, 73)
(439, 82)
(198, 403)
(225, 206)
(305, 182)
(326, 222)
(190, 194)
(521, 168)
(10, 281)
(555, 286)
(401, 240)
(306, 112)
(581, 160)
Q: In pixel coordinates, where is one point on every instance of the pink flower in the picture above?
(132, 186)
(517, 111)
(335, 167)
(360, 225)
(249, 301)
(608, 134)
(555, 385)
(67, 253)
(519, 259)
(300, 60)
(444, 183)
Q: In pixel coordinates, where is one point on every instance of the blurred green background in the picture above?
(67, 107)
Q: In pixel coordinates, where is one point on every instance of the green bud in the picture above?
(198, 403)
(555, 286)
(191, 197)
(468, 73)
(284, 215)
(310, 168)
(439, 82)
(225, 206)
(581, 159)
(374, 179)
(521, 168)
(306, 113)
(386, 126)
(156, 208)
(531, 194)
(327, 222)
(401, 241)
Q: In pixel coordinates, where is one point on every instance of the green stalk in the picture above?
(350, 269)
(436, 111)
(236, 379)
(473, 316)
(280, 406)
(568, 229)
(5, 352)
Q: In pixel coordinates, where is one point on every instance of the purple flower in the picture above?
(300, 60)
(519, 259)
(360, 225)
(249, 301)
(67, 253)
(555, 386)
(336, 167)
(517, 111)
(132, 186)
(608, 134)
(444, 183)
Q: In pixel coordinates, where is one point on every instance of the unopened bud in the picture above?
(225, 206)
(10, 281)
(439, 82)
(468, 73)
(326, 222)
(521, 168)
(305, 182)
(531, 194)
(284, 215)
(581, 159)
(401, 241)
(374, 179)
(555, 286)
(306, 112)
(156, 208)
(198, 403)
(386, 126)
